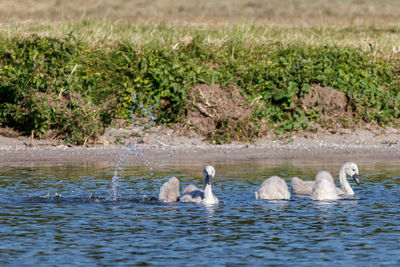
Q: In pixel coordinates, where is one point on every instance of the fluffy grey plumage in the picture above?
(300, 187)
(169, 191)
(324, 187)
(273, 188)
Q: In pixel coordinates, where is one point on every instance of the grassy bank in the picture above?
(75, 79)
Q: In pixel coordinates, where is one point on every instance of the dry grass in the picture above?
(368, 24)
(282, 12)
(384, 41)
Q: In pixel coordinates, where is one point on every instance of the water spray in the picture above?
(133, 148)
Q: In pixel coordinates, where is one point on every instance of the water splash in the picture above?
(134, 148)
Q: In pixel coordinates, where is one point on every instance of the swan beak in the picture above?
(355, 177)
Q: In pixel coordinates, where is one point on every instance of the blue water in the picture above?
(64, 214)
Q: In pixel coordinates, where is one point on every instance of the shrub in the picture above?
(67, 85)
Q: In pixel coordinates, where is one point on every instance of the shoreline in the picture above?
(174, 150)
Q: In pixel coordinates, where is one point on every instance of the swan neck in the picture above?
(208, 195)
(346, 188)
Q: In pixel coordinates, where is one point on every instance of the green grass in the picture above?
(76, 78)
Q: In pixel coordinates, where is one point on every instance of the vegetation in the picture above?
(75, 78)
(76, 87)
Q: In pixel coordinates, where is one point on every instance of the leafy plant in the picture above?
(75, 88)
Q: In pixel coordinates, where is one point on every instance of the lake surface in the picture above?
(64, 214)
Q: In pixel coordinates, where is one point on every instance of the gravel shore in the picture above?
(383, 145)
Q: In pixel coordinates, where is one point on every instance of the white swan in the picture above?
(273, 188)
(169, 191)
(300, 187)
(324, 187)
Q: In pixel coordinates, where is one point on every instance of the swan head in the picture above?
(351, 169)
(209, 173)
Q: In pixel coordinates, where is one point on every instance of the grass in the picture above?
(384, 40)
(76, 76)
(278, 12)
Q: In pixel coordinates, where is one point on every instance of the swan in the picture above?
(273, 188)
(300, 187)
(169, 191)
(324, 187)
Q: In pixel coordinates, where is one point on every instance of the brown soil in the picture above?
(332, 106)
(325, 99)
(215, 111)
(223, 114)
(9, 132)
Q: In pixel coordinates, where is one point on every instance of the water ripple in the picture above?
(66, 216)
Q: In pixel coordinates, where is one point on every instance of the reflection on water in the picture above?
(65, 215)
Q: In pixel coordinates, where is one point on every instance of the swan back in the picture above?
(300, 187)
(273, 188)
(324, 188)
(169, 191)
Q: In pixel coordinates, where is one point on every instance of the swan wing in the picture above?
(339, 191)
(169, 191)
(324, 188)
(195, 196)
(273, 188)
(190, 188)
(300, 187)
